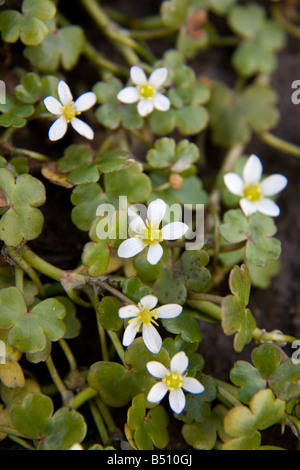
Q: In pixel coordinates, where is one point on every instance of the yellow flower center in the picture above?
(146, 90)
(173, 380)
(145, 316)
(69, 111)
(252, 192)
(151, 234)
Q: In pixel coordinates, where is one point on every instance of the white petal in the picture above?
(130, 94)
(138, 75)
(174, 230)
(268, 207)
(130, 247)
(154, 254)
(58, 129)
(156, 211)
(149, 301)
(158, 77)
(177, 400)
(85, 101)
(192, 385)
(273, 185)
(161, 102)
(130, 333)
(151, 338)
(82, 128)
(157, 392)
(145, 107)
(179, 363)
(253, 169)
(248, 207)
(53, 105)
(64, 92)
(136, 224)
(128, 311)
(157, 369)
(168, 311)
(234, 183)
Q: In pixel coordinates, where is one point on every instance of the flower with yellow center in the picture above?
(173, 380)
(252, 191)
(143, 316)
(149, 234)
(146, 92)
(68, 110)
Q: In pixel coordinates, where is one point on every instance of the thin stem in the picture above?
(22, 442)
(68, 353)
(111, 425)
(99, 422)
(209, 308)
(17, 258)
(100, 61)
(31, 154)
(41, 265)
(55, 376)
(83, 397)
(262, 336)
(104, 285)
(19, 278)
(233, 246)
(289, 27)
(279, 144)
(152, 33)
(117, 345)
(229, 392)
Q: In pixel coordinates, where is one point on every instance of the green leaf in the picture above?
(149, 429)
(72, 323)
(29, 329)
(198, 406)
(173, 12)
(27, 26)
(134, 289)
(201, 436)
(259, 104)
(112, 113)
(34, 88)
(185, 325)
(61, 47)
(285, 381)
(246, 20)
(257, 231)
(35, 420)
(13, 113)
(108, 313)
(86, 198)
(113, 382)
(95, 257)
(22, 220)
(236, 318)
(264, 411)
(130, 182)
(248, 378)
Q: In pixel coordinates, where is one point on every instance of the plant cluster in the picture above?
(149, 124)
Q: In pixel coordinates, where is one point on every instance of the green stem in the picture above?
(104, 285)
(152, 33)
(19, 278)
(31, 154)
(209, 308)
(117, 345)
(99, 422)
(68, 353)
(279, 144)
(41, 265)
(206, 297)
(232, 247)
(229, 392)
(100, 61)
(111, 426)
(289, 27)
(17, 258)
(55, 376)
(21, 442)
(83, 397)
(111, 29)
(261, 335)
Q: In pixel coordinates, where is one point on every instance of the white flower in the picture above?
(149, 234)
(254, 192)
(67, 110)
(173, 380)
(143, 315)
(146, 92)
